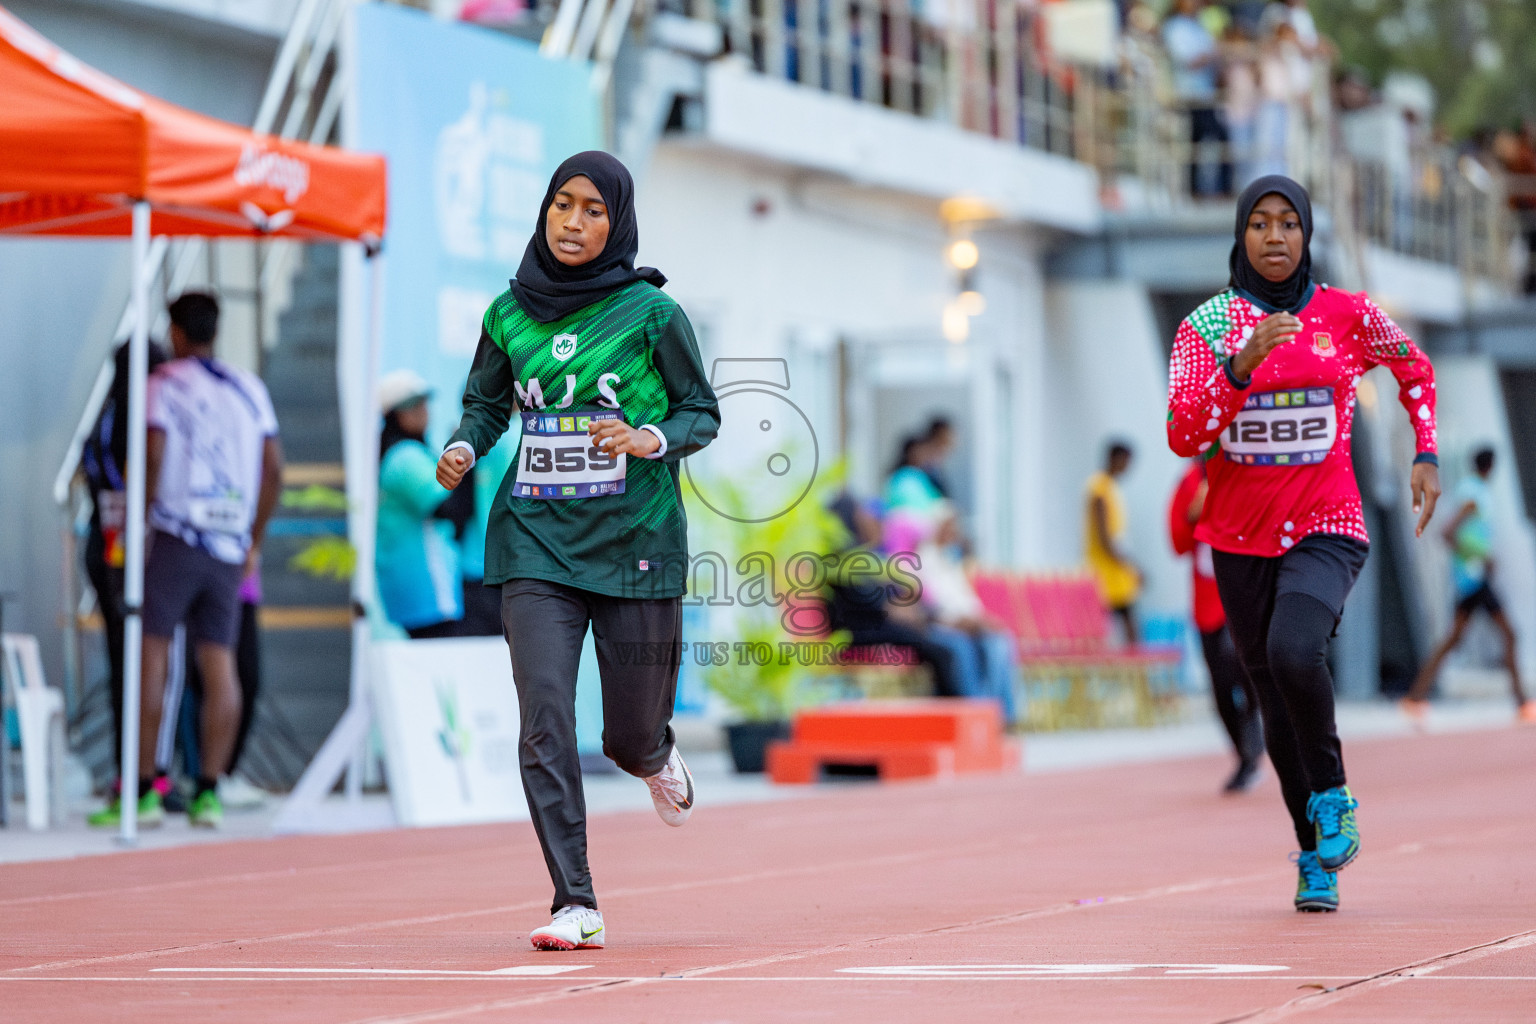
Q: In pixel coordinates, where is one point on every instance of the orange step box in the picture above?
(900, 739)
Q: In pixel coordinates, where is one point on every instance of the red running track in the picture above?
(1120, 894)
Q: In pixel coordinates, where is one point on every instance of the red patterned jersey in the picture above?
(1209, 614)
(1278, 450)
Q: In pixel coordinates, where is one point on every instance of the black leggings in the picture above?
(638, 656)
(1282, 612)
(1236, 702)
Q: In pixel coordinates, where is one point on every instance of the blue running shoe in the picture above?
(1338, 836)
(1317, 891)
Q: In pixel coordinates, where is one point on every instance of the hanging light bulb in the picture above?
(963, 254)
(957, 325)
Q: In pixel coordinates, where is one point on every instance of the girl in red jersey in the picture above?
(1236, 702)
(1262, 383)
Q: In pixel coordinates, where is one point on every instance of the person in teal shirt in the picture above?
(482, 604)
(416, 557)
(1470, 536)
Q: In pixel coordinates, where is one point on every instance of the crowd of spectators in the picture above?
(1246, 74)
(969, 652)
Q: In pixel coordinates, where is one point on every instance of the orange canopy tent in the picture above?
(82, 154)
(79, 149)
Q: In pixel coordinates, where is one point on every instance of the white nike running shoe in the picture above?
(672, 790)
(573, 928)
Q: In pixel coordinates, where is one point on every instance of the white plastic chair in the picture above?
(40, 716)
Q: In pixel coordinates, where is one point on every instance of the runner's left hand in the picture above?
(622, 439)
(1424, 485)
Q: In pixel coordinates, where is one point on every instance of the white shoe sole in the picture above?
(668, 812)
(554, 943)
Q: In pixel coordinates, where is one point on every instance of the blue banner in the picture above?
(473, 123)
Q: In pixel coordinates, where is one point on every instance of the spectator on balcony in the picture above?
(1296, 15)
(1196, 63)
(1240, 78)
(1516, 154)
(1285, 85)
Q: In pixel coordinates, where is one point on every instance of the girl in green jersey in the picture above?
(603, 371)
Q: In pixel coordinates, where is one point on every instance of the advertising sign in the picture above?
(447, 713)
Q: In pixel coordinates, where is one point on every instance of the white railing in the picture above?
(980, 66)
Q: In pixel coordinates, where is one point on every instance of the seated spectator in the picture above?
(982, 647)
(910, 485)
(865, 609)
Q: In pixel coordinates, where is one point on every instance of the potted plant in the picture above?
(754, 674)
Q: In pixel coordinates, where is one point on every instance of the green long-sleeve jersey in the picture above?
(635, 352)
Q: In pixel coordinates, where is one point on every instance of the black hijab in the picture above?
(547, 289)
(1291, 294)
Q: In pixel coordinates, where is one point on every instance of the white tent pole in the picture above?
(133, 577)
(363, 525)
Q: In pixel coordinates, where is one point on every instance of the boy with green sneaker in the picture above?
(214, 474)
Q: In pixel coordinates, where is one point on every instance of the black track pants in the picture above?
(1281, 613)
(1236, 701)
(936, 656)
(638, 654)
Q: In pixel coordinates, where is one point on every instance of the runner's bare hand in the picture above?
(1273, 331)
(1424, 485)
(451, 467)
(622, 439)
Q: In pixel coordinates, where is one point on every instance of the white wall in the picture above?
(774, 263)
(762, 258)
(1107, 378)
(862, 142)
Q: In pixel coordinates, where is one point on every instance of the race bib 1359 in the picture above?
(559, 460)
(1283, 428)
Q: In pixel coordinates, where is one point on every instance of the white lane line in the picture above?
(290, 979)
(1050, 970)
(755, 979)
(1419, 971)
(524, 971)
(744, 878)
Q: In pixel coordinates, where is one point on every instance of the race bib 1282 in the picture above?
(559, 460)
(1283, 428)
